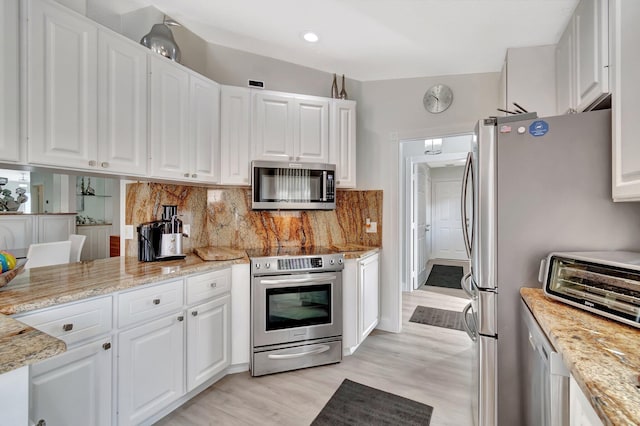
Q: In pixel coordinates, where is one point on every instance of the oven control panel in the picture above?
(306, 263)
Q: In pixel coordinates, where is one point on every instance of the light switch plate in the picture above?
(128, 232)
(372, 228)
(186, 230)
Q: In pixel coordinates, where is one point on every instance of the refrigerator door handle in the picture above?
(468, 168)
(467, 289)
(471, 333)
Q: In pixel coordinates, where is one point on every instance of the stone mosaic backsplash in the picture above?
(223, 217)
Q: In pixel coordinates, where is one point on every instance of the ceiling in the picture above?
(376, 39)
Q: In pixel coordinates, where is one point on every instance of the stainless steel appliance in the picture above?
(292, 186)
(531, 187)
(296, 309)
(605, 283)
(161, 239)
(546, 378)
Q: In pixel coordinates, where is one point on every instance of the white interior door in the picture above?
(420, 208)
(448, 240)
(428, 221)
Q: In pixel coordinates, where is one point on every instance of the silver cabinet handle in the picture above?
(67, 327)
(181, 318)
(104, 165)
(194, 175)
(319, 350)
(468, 171)
(186, 175)
(156, 301)
(213, 285)
(41, 422)
(194, 313)
(106, 346)
(92, 163)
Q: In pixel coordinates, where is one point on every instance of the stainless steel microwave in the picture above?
(279, 185)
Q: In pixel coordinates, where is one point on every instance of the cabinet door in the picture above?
(73, 388)
(122, 107)
(592, 52)
(17, 231)
(204, 99)
(625, 108)
(208, 340)
(235, 111)
(272, 136)
(9, 82)
(369, 295)
(565, 71)
(169, 119)
(342, 145)
(150, 369)
(62, 81)
(350, 306)
(55, 227)
(581, 412)
(311, 136)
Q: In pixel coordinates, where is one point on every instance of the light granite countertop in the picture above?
(603, 355)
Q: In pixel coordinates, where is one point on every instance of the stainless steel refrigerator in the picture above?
(531, 187)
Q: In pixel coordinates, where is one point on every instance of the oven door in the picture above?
(294, 308)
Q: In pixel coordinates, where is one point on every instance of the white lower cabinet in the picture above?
(581, 413)
(150, 368)
(208, 340)
(360, 298)
(73, 388)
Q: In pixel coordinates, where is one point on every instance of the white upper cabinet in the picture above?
(62, 80)
(184, 123)
(342, 143)
(122, 105)
(625, 108)
(290, 127)
(9, 82)
(204, 128)
(582, 58)
(311, 132)
(235, 121)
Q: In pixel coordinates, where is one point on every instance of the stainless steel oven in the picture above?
(296, 310)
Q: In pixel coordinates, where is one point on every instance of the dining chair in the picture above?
(77, 242)
(46, 254)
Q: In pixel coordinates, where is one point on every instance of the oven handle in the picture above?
(300, 280)
(319, 350)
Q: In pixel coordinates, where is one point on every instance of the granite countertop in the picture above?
(355, 251)
(603, 355)
(22, 345)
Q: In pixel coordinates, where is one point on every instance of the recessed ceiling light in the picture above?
(310, 36)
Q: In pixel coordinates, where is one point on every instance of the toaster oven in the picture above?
(605, 283)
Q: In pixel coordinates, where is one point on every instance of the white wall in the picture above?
(446, 173)
(389, 111)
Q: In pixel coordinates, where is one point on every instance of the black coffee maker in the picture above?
(161, 239)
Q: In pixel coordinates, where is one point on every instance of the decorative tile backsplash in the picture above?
(223, 217)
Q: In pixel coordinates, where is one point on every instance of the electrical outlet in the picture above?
(186, 230)
(128, 232)
(372, 228)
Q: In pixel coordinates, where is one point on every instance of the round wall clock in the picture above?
(437, 98)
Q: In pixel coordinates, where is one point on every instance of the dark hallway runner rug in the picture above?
(356, 404)
(438, 317)
(445, 276)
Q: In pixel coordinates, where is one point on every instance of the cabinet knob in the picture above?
(194, 313)
(213, 285)
(181, 318)
(92, 163)
(186, 175)
(195, 175)
(104, 164)
(156, 301)
(106, 346)
(41, 422)
(67, 327)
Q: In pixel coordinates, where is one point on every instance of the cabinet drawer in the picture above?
(205, 286)
(74, 322)
(150, 302)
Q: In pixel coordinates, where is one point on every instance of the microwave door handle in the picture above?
(324, 185)
(463, 204)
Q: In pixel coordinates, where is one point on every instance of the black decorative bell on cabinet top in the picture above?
(160, 40)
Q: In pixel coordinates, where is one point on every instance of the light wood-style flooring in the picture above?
(424, 363)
